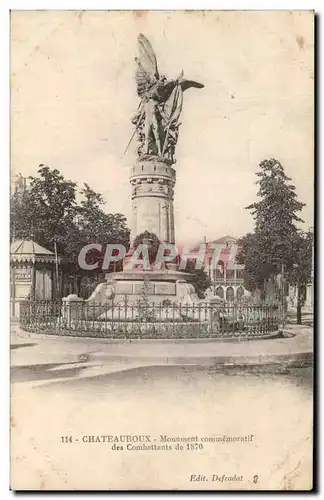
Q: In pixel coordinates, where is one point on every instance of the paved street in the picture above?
(63, 386)
(40, 357)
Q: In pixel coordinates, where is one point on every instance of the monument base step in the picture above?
(154, 286)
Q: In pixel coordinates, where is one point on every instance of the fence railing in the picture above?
(148, 320)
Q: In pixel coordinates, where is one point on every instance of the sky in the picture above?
(73, 95)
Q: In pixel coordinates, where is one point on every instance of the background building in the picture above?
(227, 277)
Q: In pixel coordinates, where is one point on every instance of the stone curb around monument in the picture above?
(290, 357)
(184, 340)
(285, 360)
(289, 360)
(279, 334)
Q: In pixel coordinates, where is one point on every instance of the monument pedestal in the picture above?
(153, 182)
(157, 286)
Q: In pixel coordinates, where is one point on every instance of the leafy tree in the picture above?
(97, 226)
(200, 278)
(300, 275)
(144, 305)
(47, 211)
(151, 240)
(256, 269)
(273, 242)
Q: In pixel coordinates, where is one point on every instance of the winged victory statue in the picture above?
(157, 118)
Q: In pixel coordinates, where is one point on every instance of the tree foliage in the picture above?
(151, 240)
(276, 241)
(302, 269)
(48, 211)
(200, 278)
(276, 237)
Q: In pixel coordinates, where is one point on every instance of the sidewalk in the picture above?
(296, 346)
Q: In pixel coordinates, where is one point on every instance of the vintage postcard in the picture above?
(162, 255)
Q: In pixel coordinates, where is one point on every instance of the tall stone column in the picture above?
(153, 182)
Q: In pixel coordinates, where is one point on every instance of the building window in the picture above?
(230, 294)
(230, 274)
(239, 293)
(220, 292)
(218, 274)
(239, 274)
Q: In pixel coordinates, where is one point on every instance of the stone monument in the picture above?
(153, 177)
(152, 195)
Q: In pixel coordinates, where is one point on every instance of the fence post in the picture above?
(71, 309)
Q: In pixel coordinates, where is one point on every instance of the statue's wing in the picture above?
(143, 79)
(147, 56)
(187, 84)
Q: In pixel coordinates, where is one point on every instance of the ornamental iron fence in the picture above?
(148, 320)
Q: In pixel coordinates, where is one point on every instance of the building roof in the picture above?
(28, 247)
(30, 251)
(224, 239)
